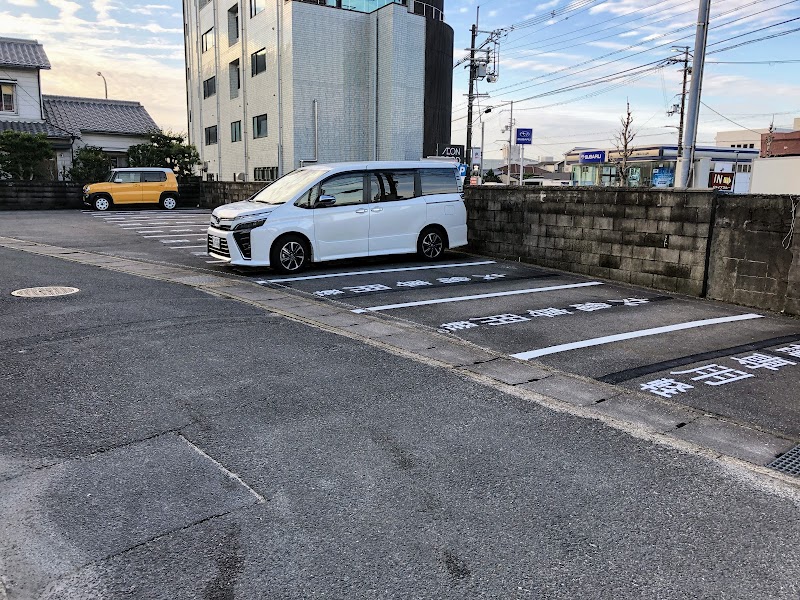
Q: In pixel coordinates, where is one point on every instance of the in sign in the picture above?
(524, 136)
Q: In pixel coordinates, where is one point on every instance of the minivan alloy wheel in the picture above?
(169, 203)
(292, 256)
(101, 203)
(432, 245)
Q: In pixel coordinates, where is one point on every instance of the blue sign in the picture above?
(596, 156)
(524, 136)
(663, 177)
(463, 170)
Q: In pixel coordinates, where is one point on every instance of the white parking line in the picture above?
(163, 223)
(167, 235)
(631, 335)
(197, 253)
(171, 229)
(440, 266)
(203, 246)
(215, 262)
(176, 241)
(549, 288)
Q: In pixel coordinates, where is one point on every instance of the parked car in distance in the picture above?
(134, 185)
(343, 210)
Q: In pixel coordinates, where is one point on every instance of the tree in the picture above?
(491, 177)
(165, 150)
(623, 140)
(22, 155)
(90, 164)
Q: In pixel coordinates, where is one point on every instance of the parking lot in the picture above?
(724, 359)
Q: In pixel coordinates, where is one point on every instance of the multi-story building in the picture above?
(276, 84)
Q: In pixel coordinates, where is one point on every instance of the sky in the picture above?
(542, 47)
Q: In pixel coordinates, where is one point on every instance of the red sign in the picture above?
(721, 181)
(473, 180)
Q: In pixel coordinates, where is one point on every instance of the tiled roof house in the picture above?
(68, 122)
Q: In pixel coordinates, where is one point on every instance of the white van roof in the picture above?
(383, 164)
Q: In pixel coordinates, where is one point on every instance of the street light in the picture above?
(105, 85)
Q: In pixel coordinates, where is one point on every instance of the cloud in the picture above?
(26, 3)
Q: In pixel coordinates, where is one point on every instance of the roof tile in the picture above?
(98, 115)
(24, 54)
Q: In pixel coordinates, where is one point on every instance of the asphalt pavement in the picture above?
(173, 430)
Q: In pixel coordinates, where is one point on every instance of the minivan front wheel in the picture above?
(101, 203)
(290, 254)
(168, 202)
(431, 244)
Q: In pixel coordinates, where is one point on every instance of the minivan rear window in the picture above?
(438, 181)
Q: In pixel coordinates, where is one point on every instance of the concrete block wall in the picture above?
(755, 255)
(646, 237)
(40, 195)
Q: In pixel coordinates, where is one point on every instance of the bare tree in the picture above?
(770, 138)
(623, 140)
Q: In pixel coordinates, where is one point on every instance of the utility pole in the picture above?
(471, 92)
(693, 112)
(510, 133)
(686, 71)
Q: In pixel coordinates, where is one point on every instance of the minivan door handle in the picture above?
(361, 211)
(377, 210)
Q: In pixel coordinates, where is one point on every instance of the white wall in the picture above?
(28, 95)
(776, 175)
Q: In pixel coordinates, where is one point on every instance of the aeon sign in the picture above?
(452, 151)
(597, 156)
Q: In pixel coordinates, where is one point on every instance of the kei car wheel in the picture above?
(168, 203)
(290, 254)
(431, 243)
(101, 203)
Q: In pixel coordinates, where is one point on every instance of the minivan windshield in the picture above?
(288, 186)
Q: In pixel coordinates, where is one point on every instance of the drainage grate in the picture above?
(788, 463)
(44, 292)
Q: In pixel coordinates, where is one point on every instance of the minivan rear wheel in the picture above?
(168, 202)
(431, 243)
(101, 203)
(290, 254)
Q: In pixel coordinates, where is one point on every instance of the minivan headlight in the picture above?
(86, 189)
(249, 225)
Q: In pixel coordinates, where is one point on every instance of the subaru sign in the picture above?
(524, 136)
(596, 156)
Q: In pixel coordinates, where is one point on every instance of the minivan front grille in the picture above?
(243, 241)
(223, 247)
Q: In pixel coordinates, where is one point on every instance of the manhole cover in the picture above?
(44, 292)
(788, 463)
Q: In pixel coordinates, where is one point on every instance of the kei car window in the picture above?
(438, 181)
(127, 177)
(153, 176)
(347, 188)
(397, 185)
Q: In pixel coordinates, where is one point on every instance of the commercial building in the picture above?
(275, 84)
(654, 166)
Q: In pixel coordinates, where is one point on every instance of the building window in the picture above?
(209, 87)
(752, 145)
(211, 135)
(258, 62)
(8, 97)
(207, 40)
(233, 24)
(234, 74)
(260, 126)
(256, 6)
(236, 131)
(265, 173)
(202, 3)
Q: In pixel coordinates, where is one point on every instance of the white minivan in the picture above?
(343, 210)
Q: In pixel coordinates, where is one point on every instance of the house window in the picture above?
(236, 131)
(258, 62)
(211, 135)
(8, 97)
(207, 40)
(265, 173)
(256, 6)
(233, 24)
(202, 3)
(209, 87)
(235, 77)
(260, 126)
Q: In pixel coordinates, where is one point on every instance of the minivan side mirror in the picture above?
(325, 200)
